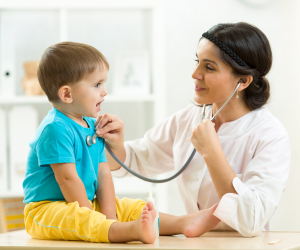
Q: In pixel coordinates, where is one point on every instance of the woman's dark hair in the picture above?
(253, 47)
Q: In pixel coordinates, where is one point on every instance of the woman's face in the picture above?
(214, 80)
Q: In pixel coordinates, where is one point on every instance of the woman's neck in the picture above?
(233, 110)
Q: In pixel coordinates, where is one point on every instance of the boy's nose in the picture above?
(104, 92)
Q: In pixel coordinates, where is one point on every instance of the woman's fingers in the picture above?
(112, 134)
(111, 127)
(206, 122)
(110, 137)
(98, 120)
(205, 126)
(104, 120)
(204, 136)
(108, 128)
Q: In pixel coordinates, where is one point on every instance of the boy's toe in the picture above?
(150, 205)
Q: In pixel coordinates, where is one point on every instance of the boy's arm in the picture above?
(106, 192)
(70, 184)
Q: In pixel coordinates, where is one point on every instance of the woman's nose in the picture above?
(197, 73)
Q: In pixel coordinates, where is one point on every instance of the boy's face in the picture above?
(89, 93)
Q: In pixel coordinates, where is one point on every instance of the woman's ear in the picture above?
(65, 94)
(245, 82)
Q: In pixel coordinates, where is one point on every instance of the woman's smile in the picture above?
(198, 88)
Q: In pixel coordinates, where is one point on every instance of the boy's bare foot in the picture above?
(144, 225)
(201, 222)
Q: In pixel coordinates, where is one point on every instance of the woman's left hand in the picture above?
(205, 138)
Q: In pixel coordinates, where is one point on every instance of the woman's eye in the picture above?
(209, 68)
(197, 61)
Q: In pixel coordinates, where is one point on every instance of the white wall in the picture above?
(185, 21)
(280, 21)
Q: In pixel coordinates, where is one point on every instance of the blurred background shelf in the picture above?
(113, 27)
(76, 4)
(22, 99)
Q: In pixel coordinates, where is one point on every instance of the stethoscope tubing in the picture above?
(148, 179)
(187, 162)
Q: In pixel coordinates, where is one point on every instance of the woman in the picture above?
(244, 154)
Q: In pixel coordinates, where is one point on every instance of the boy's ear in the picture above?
(65, 94)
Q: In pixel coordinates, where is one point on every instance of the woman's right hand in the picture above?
(110, 128)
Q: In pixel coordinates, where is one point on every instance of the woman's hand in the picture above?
(205, 138)
(207, 143)
(110, 128)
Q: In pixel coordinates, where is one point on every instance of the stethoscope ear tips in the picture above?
(90, 140)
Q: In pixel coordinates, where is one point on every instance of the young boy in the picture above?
(64, 173)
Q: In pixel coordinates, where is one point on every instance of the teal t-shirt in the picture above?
(59, 139)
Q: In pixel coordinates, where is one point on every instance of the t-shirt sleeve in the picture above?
(55, 145)
(102, 156)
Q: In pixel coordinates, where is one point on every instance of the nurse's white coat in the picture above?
(257, 148)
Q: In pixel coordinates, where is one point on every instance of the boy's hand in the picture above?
(111, 128)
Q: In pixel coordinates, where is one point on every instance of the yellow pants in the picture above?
(60, 220)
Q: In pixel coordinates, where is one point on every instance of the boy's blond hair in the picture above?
(66, 63)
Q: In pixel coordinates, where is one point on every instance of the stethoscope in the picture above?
(93, 139)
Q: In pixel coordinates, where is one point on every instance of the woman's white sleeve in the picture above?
(152, 154)
(259, 189)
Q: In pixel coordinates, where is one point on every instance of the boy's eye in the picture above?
(97, 85)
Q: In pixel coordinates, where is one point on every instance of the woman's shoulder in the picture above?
(263, 120)
(191, 111)
(182, 118)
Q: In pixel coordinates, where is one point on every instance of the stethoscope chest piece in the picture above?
(91, 139)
